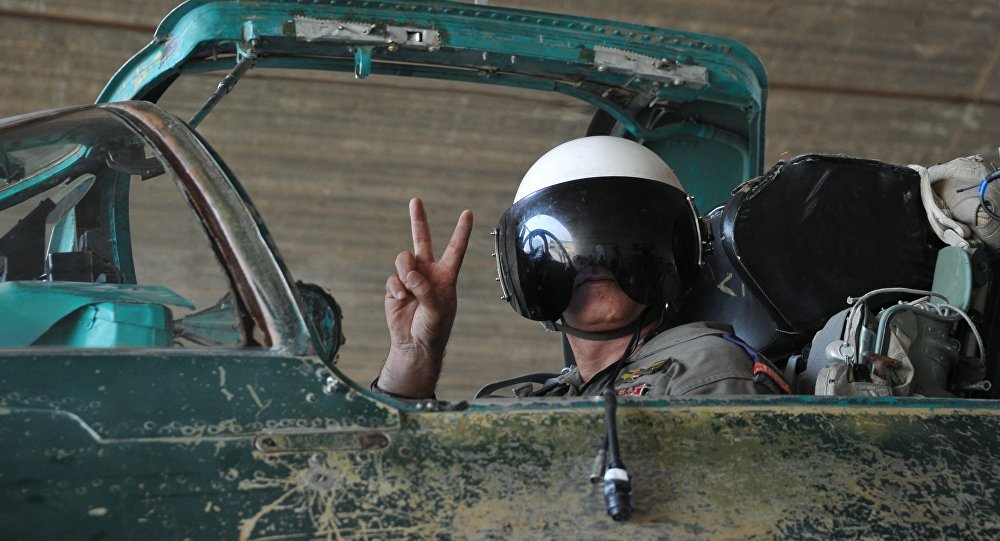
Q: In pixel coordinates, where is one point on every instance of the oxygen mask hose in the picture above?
(617, 481)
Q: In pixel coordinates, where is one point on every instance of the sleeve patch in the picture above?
(635, 390)
(632, 375)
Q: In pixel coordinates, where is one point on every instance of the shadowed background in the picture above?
(330, 161)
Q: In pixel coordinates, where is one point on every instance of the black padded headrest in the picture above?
(721, 295)
(817, 229)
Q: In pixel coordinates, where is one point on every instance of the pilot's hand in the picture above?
(420, 307)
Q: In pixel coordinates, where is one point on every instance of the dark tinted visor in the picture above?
(644, 232)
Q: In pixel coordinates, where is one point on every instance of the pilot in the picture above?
(601, 243)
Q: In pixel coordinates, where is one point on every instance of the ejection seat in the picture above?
(791, 246)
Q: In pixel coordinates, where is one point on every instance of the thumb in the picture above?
(419, 286)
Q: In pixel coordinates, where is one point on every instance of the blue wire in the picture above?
(982, 193)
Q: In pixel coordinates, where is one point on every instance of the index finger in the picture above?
(421, 231)
(459, 243)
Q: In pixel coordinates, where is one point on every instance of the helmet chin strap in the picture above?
(601, 336)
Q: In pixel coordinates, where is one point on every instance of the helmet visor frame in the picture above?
(646, 233)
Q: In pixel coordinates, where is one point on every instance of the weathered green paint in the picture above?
(791, 469)
(175, 393)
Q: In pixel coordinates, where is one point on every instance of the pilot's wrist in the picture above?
(410, 371)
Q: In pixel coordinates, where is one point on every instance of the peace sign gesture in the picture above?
(420, 307)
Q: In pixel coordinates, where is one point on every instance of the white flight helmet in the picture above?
(597, 201)
(592, 157)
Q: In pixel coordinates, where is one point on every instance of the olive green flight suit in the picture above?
(690, 359)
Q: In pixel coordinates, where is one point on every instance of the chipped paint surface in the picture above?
(222, 384)
(352, 468)
(700, 472)
(344, 466)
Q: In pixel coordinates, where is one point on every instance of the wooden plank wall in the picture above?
(331, 164)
